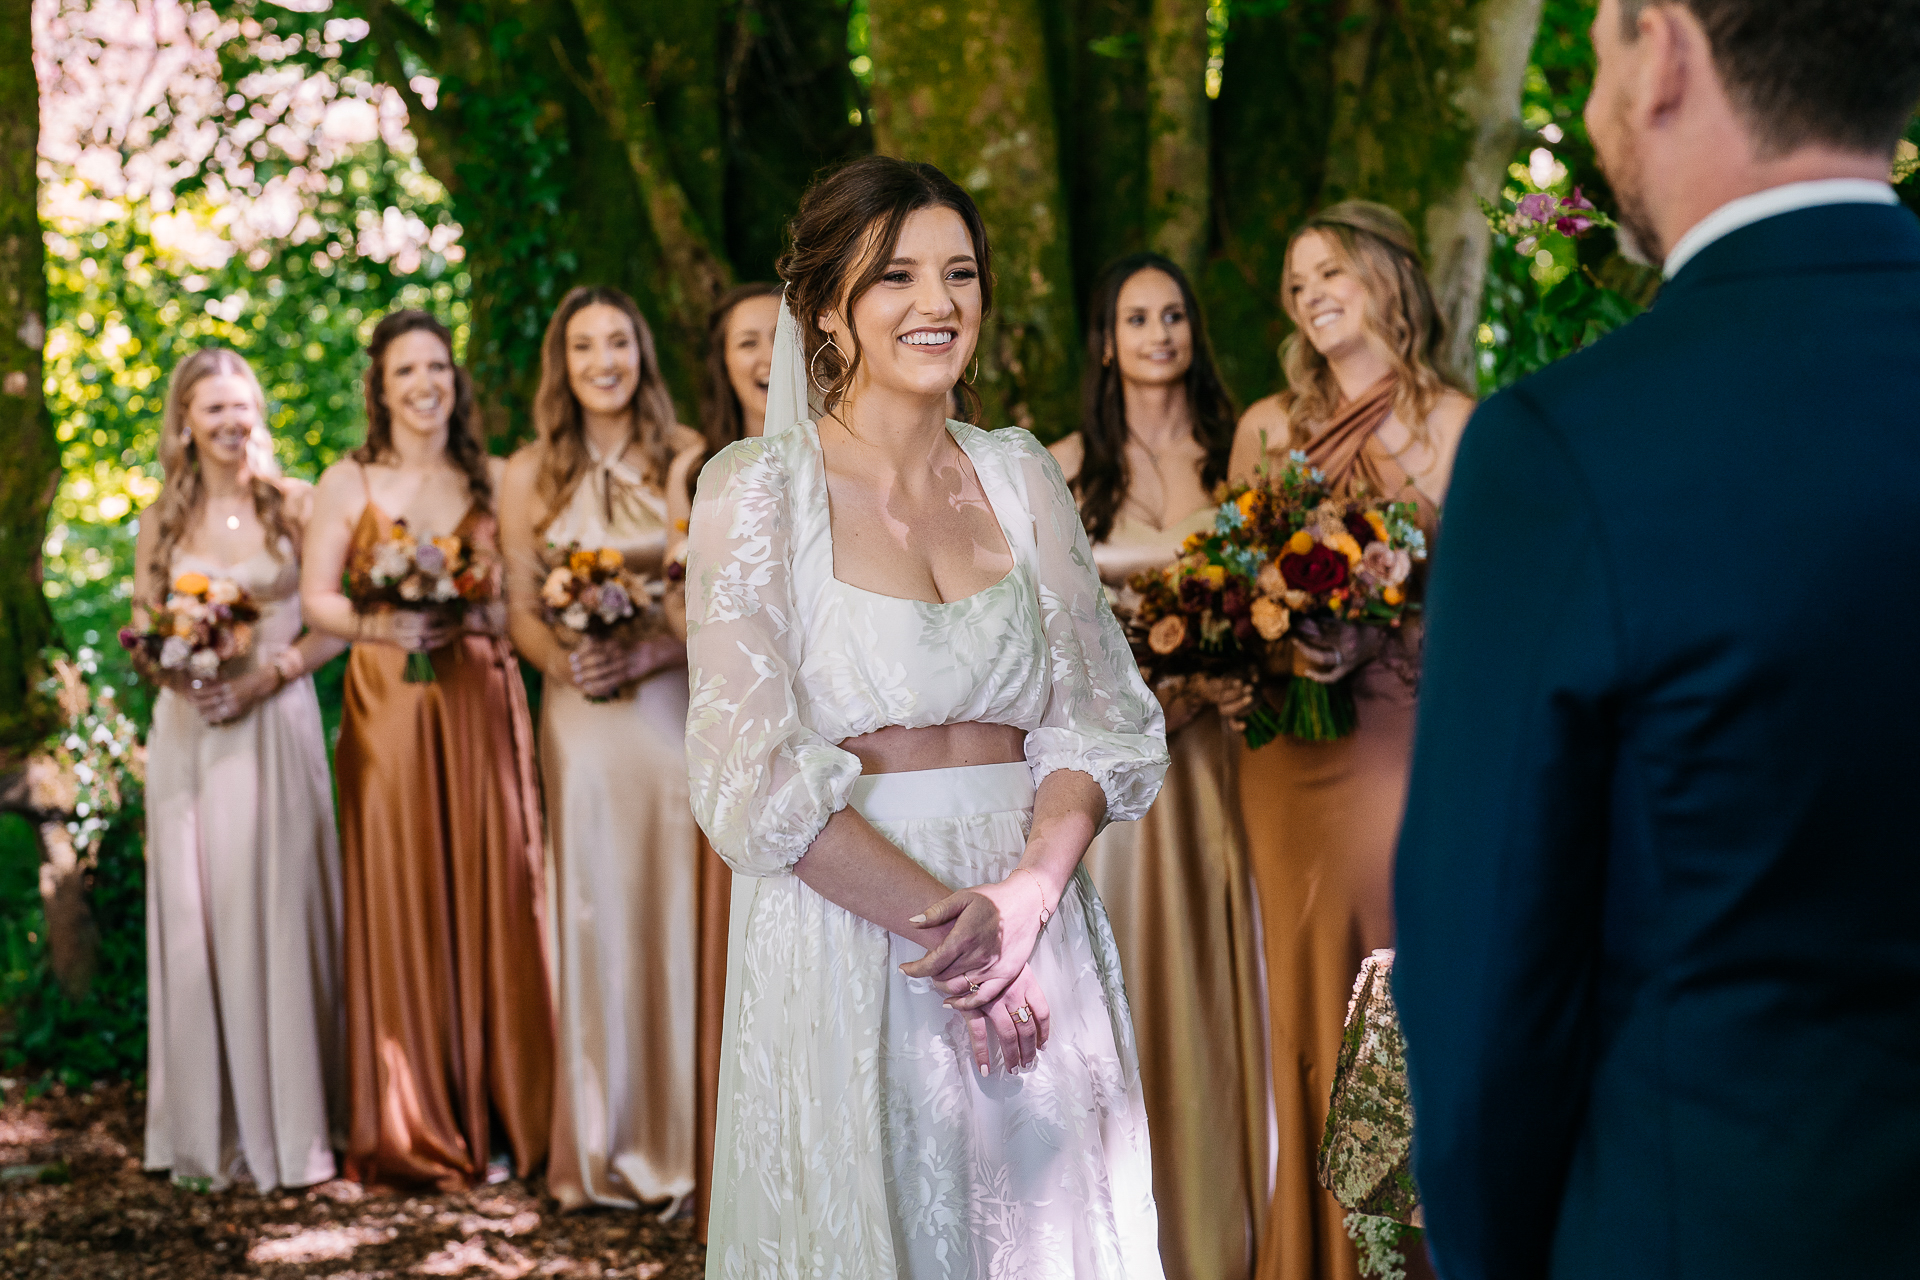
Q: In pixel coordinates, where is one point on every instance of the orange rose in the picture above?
(1168, 634)
(611, 560)
(582, 562)
(191, 584)
(1270, 618)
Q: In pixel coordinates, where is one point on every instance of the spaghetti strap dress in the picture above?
(449, 1012)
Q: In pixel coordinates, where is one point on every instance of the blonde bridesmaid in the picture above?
(244, 1075)
(622, 844)
(449, 1019)
(1156, 429)
(1371, 403)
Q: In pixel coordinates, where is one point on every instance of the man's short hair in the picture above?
(1845, 73)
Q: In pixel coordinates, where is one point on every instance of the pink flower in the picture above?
(1537, 208)
(1572, 225)
(431, 559)
(1575, 201)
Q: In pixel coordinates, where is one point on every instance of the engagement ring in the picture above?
(1023, 1015)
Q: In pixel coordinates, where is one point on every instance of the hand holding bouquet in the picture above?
(203, 623)
(593, 595)
(1285, 556)
(439, 577)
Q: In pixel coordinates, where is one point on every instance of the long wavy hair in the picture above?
(559, 423)
(1378, 246)
(1104, 475)
(840, 241)
(464, 444)
(183, 490)
(722, 419)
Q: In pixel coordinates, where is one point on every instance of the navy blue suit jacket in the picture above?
(1658, 888)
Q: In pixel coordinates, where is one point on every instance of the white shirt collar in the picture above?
(1745, 211)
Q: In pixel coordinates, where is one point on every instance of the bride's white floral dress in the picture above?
(856, 1139)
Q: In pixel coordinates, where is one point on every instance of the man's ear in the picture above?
(1676, 63)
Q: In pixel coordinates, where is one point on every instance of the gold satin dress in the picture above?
(1178, 893)
(625, 856)
(1321, 820)
(449, 1022)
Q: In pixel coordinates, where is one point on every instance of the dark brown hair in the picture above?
(463, 424)
(1101, 485)
(840, 241)
(1844, 73)
(560, 427)
(721, 417)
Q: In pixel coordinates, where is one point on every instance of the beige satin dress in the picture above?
(1178, 893)
(625, 859)
(449, 1019)
(1321, 820)
(244, 1070)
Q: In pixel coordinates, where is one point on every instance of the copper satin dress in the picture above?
(1321, 820)
(449, 1018)
(625, 856)
(244, 1071)
(1179, 896)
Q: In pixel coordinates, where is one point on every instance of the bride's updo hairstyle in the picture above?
(1378, 246)
(840, 242)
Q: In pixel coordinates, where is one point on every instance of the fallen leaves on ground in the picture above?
(74, 1202)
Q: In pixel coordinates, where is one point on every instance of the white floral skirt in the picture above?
(856, 1137)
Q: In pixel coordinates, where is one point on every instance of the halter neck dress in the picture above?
(449, 1017)
(625, 856)
(1321, 819)
(855, 1136)
(244, 1071)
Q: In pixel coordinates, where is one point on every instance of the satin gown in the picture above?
(1321, 820)
(856, 1137)
(625, 857)
(449, 1016)
(244, 1072)
(1180, 897)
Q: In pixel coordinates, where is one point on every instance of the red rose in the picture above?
(1318, 571)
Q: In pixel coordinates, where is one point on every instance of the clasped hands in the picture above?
(982, 966)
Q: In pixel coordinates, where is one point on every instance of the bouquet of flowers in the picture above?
(437, 575)
(1546, 227)
(1283, 551)
(594, 594)
(203, 623)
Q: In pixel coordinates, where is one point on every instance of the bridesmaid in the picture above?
(449, 1020)
(243, 885)
(1156, 429)
(1371, 403)
(620, 832)
(739, 361)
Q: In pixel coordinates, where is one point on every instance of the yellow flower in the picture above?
(1347, 546)
(1300, 543)
(1393, 595)
(191, 584)
(1249, 500)
(1194, 542)
(1378, 523)
(581, 562)
(1216, 576)
(611, 560)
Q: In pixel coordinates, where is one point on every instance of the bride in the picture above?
(911, 711)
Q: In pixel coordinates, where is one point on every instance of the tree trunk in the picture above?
(1177, 132)
(1102, 99)
(1457, 235)
(965, 87)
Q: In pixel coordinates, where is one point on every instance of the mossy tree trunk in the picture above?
(1177, 172)
(966, 86)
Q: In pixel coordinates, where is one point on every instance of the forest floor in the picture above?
(74, 1202)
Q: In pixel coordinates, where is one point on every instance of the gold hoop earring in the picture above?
(972, 373)
(812, 375)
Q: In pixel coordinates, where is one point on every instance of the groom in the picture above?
(1659, 880)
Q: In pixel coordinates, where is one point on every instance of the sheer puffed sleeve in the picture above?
(763, 783)
(1101, 718)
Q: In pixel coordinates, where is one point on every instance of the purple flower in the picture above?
(614, 602)
(131, 639)
(431, 559)
(1536, 209)
(1575, 201)
(1572, 225)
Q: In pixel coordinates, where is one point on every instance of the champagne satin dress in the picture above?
(449, 1018)
(244, 1072)
(625, 857)
(1321, 820)
(1180, 898)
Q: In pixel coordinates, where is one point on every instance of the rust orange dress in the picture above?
(1321, 819)
(449, 1011)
